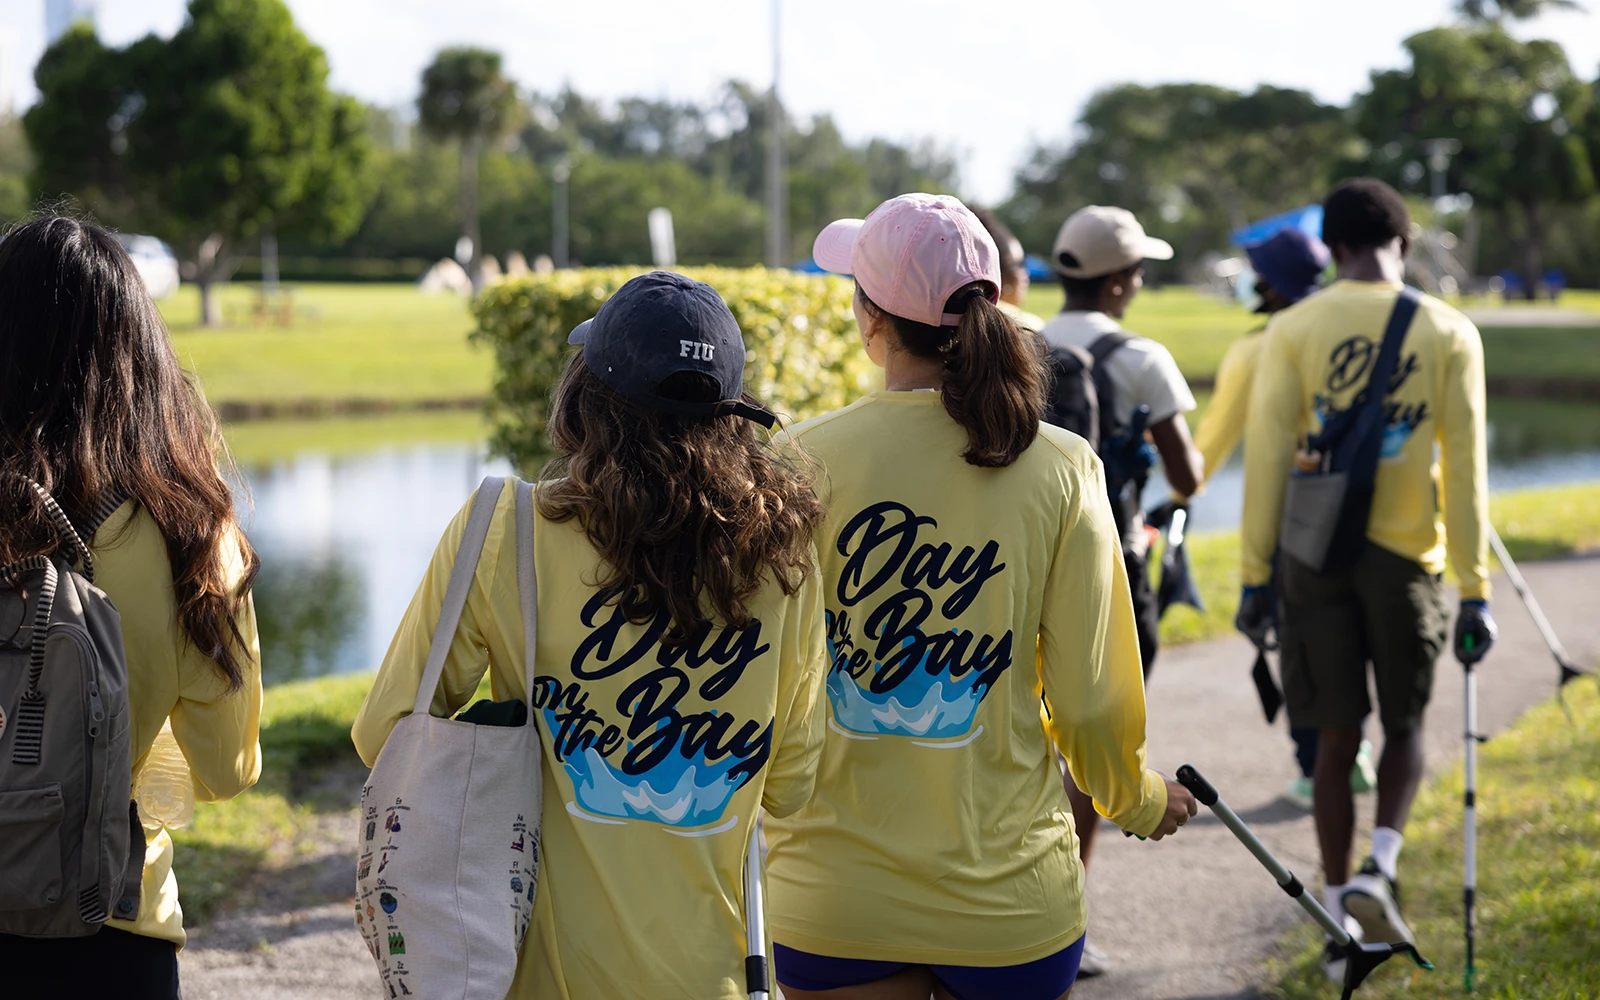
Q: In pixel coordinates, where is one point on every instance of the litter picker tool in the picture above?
(1469, 799)
(1360, 958)
(755, 923)
(1569, 670)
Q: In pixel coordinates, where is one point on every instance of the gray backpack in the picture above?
(71, 846)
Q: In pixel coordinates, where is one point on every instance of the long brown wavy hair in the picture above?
(691, 515)
(995, 377)
(94, 405)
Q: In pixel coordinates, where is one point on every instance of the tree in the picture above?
(1192, 160)
(1518, 111)
(1515, 10)
(466, 98)
(206, 140)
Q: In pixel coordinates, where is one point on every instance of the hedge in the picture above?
(803, 356)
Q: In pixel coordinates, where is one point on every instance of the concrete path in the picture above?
(1190, 917)
(1195, 915)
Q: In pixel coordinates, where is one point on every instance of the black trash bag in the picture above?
(1266, 687)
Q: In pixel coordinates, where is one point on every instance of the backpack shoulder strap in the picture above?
(1107, 344)
(108, 505)
(72, 543)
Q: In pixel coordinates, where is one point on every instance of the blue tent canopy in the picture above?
(1307, 219)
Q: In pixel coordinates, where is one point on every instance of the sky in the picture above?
(985, 80)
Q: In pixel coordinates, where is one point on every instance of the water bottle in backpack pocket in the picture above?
(71, 847)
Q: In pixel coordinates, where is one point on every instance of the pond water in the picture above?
(344, 539)
(1531, 443)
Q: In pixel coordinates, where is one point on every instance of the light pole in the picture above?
(1439, 152)
(560, 173)
(776, 209)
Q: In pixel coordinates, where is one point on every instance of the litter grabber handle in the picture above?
(1203, 790)
(757, 981)
(1360, 958)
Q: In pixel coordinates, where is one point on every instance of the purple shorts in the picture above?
(1044, 979)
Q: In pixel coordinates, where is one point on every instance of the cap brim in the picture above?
(1155, 249)
(580, 333)
(834, 245)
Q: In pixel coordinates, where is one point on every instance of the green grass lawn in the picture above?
(392, 343)
(1198, 328)
(1538, 872)
(255, 441)
(346, 342)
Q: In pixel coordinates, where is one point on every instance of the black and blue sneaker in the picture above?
(1373, 899)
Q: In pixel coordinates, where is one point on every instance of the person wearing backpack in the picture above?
(1288, 266)
(1117, 389)
(969, 555)
(110, 489)
(1379, 598)
(680, 649)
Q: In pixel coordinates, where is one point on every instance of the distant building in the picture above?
(59, 15)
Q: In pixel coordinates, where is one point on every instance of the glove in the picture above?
(1475, 631)
(1160, 516)
(1258, 616)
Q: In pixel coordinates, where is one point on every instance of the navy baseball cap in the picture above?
(1291, 262)
(657, 325)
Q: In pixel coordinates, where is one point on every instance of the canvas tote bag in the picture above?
(448, 856)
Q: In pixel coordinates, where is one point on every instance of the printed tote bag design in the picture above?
(449, 836)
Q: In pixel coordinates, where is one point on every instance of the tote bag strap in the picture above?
(527, 587)
(455, 596)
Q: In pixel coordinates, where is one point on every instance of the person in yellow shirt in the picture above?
(970, 564)
(680, 650)
(94, 406)
(1430, 500)
(1013, 271)
(1288, 267)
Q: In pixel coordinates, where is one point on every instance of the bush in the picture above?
(802, 353)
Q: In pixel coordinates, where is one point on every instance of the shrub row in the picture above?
(803, 356)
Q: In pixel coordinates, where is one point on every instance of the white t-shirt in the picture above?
(1141, 371)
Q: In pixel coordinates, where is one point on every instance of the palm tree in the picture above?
(466, 98)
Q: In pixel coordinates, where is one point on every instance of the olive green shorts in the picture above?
(1386, 610)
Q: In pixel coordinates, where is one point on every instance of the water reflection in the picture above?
(343, 543)
(1531, 443)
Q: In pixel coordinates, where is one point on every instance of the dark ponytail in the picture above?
(994, 373)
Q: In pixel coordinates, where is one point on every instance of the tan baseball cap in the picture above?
(1101, 240)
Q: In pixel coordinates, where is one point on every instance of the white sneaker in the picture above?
(1094, 961)
(1373, 899)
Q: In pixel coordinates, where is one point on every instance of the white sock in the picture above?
(1333, 902)
(1386, 844)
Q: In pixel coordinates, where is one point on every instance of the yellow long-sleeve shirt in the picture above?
(216, 728)
(1223, 424)
(1315, 359)
(656, 761)
(939, 831)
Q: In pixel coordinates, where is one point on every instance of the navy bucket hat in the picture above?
(1291, 262)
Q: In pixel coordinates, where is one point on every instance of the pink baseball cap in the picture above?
(911, 254)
